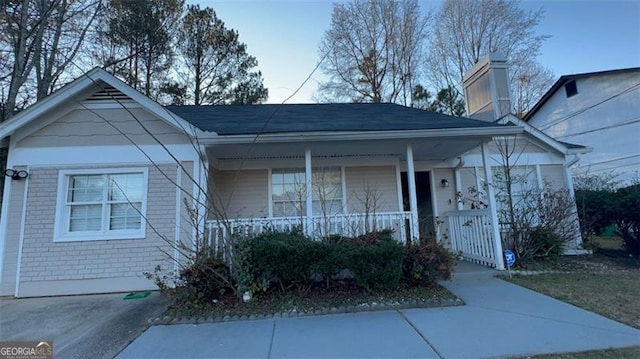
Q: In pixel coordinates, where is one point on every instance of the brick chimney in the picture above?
(486, 88)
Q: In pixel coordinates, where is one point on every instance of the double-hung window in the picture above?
(288, 192)
(101, 204)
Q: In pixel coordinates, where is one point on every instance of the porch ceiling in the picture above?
(430, 149)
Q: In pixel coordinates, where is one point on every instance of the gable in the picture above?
(86, 126)
(94, 90)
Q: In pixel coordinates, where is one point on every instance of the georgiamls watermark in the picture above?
(26, 350)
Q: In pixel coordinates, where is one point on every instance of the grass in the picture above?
(605, 284)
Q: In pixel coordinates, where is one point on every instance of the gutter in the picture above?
(359, 135)
(576, 158)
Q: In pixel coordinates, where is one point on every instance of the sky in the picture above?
(284, 35)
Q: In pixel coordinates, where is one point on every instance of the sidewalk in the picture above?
(500, 319)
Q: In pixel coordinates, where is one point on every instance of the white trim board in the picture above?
(97, 155)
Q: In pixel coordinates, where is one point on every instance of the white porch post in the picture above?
(413, 200)
(491, 196)
(458, 180)
(308, 191)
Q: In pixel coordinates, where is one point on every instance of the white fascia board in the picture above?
(74, 156)
(65, 93)
(543, 137)
(361, 135)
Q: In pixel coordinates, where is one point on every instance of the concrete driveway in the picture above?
(96, 326)
(499, 320)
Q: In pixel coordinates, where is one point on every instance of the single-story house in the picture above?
(102, 181)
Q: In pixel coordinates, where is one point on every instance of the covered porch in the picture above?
(349, 188)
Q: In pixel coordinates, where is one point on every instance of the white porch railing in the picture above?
(353, 224)
(472, 234)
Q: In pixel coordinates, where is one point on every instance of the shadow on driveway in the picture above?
(97, 326)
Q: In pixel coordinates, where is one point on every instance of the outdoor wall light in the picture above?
(444, 183)
(15, 174)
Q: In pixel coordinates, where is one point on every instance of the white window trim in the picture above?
(61, 235)
(343, 184)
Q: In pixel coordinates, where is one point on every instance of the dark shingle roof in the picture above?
(250, 119)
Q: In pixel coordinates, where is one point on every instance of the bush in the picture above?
(375, 262)
(426, 263)
(628, 217)
(208, 277)
(282, 258)
(291, 260)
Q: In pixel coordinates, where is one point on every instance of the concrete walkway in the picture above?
(499, 320)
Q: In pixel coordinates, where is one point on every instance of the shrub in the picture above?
(628, 217)
(291, 260)
(208, 277)
(375, 265)
(282, 258)
(426, 263)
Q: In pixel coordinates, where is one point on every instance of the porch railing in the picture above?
(352, 224)
(471, 234)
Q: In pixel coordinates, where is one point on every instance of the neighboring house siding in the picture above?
(379, 181)
(105, 127)
(243, 194)
(603, 115)
(11, 241)
(46, 263)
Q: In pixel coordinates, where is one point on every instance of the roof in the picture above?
(566, 78)
(276, 118)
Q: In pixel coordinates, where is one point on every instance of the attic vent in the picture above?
(571, 88)
(107, 93)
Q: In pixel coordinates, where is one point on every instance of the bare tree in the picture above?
(466, 30)
(374, 51)
(38, 41)
(529, 81)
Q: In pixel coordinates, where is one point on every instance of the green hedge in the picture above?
(290, 260)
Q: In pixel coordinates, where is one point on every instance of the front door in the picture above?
(423, 196)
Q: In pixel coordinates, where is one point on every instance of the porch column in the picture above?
(491, 196)
(308, 192)
(413, 200)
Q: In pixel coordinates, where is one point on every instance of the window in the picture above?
(288, 191)
(524, 181)
(571, 89)
(108, 205)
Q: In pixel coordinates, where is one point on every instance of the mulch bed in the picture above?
(342, 297)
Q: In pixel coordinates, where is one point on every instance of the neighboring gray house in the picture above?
(596, 109)
(109, 173)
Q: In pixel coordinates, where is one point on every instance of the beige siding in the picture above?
(379, 181)
(554, 175)
(469, 184)
(445, 196)
(12, 240)
(104, 127)
(243, 194)
(126, 259)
